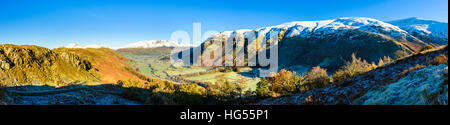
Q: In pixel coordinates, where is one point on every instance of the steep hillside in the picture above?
(426, 30)
(33, 65)
(111, 66)
(327, 43)
(425, 86)
(417, 79)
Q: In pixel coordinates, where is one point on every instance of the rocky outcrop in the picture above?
(37, 65)
(76, 61)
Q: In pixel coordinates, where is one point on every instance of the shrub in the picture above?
(400, 54)
(284, 82)
(384, 60)
(262, 89)
(441, 59)
(287, 82)
(188, 94)
(227, 69)
(165, 87)
(352, 68)
(224, 88)
(132, 90)
(160, 99)
(189, 88)
(316, 78)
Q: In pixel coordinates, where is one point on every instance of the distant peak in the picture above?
(77, 45)
(415, 20)
(330, 26)
(412, 18)
(156, 43)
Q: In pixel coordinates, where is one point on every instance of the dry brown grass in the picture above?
(111, 66)
(317, 77)
(406, 72)
(441, 59)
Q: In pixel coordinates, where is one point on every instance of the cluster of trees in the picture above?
(287, 82)
(441, 59)
(224, 90)
(163, 92)
(356, 67)
(168, 93)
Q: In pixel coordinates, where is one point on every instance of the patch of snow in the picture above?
(437, 31)
(157, 43)
(321, 28)
(76, 45)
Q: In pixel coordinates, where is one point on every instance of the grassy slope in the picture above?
(111, 66)
(25, 65)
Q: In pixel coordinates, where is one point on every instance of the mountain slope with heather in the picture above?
(110, 66)
(34, 65)
(419, 79)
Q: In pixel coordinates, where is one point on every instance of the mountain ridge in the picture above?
(82, 46)
(427, 30)
(324, 43)
(156, 44)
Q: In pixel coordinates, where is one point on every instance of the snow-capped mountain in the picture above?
(156, 43)
(426, 30)
(326, 43)
(324, 28)
(76, 45)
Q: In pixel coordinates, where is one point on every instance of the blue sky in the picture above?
(54, 23)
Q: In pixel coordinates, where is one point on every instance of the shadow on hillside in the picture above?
(250, 73)
(109, 94)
